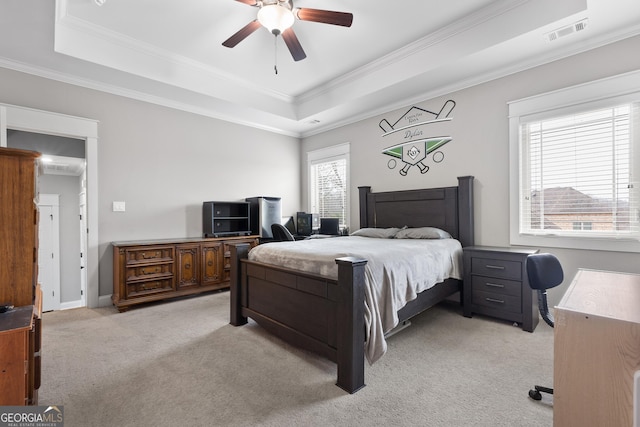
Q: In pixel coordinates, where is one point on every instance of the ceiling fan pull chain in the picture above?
(275, 54)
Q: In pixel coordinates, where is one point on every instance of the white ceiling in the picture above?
(396, 53)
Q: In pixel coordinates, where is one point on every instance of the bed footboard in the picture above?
(313, 312)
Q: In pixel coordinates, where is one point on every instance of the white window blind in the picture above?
(328, 183)
(577, 174)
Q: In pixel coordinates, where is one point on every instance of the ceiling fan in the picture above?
(278, 16)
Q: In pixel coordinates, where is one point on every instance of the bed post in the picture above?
(465, 211)
(238, 251)
(350, 323)
(364, 217)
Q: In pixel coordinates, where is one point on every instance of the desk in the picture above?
(596, 350)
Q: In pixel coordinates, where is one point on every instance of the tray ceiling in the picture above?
(395, 53)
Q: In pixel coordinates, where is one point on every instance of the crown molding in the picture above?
(420, 45)
(520, 66)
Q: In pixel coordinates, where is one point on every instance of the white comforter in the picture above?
(396, 271)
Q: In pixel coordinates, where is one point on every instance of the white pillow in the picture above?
(422, 233)
(380, 233)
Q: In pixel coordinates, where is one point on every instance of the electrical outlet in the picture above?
(118, 206)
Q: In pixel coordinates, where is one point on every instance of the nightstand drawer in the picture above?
(492, 267)
(496, 286)
(508, 303)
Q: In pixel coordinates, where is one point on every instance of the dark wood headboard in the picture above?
(448, 208)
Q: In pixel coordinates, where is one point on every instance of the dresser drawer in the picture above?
(144, 288)
(146, 255)
(492, 267)
(148, 271)
(504, 303)
(496, 286)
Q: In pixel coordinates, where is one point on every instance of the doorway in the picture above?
(61, 170)
(43, 122)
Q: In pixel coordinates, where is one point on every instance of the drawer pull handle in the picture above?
(499, 301)
(495, 267)
(494, 285)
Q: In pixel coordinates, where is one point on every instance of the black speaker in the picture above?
(304, 223)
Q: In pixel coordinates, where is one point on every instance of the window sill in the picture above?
(583, 243)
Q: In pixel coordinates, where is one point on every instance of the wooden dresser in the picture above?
(20, 328)
(20, 338)
(152, 270)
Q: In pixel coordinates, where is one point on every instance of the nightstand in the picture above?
(496, 284)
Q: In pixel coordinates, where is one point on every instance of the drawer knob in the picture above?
(495, 267)
(187, 266)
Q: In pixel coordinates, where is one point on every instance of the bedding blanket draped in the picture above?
(396, 271)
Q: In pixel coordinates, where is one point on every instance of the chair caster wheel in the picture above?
(535, 395)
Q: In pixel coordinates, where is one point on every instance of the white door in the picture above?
(83, 248)
(49, 251)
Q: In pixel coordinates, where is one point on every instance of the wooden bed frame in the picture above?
(325, 315)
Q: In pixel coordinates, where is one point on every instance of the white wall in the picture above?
(163, 163)
(480, 147)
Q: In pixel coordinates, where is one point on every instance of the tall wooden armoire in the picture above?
(20, 327)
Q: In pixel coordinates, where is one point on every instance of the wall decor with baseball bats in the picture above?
(416, 135)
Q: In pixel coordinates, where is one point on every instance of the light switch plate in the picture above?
(118, 206)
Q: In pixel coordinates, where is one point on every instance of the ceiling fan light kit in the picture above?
(275, 18)
(278, 16)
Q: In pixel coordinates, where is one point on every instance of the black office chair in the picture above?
(544, 272)
(281, 234)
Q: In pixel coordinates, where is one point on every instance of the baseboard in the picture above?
(71, 304)
(104, 301)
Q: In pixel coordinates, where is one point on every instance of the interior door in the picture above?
(83, 247)
(49, 252)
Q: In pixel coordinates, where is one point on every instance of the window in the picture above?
(582, 225)
(329, 183)
(576, 168)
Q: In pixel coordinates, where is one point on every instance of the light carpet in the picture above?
(180, 363)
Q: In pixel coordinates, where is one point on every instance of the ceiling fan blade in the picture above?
(244, 32)
(249, 2)
(291, 40)
(325, 16)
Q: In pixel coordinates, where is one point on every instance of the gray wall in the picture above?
(162, 162)
(46, 144)
(480, 147)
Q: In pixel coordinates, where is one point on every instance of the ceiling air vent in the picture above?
(567, 30)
